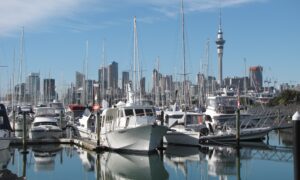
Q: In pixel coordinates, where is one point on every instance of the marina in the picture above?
(106, 90)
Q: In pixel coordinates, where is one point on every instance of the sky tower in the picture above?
(220, 43)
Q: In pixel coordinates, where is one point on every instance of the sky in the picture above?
(56, 34)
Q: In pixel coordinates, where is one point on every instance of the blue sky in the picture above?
(265, 32)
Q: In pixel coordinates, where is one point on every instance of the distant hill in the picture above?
(286, 97)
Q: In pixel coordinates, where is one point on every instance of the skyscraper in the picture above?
(125, 80)
(113, 75)
(33, 88)
(256, 78)
(49, 90)
(220, 45)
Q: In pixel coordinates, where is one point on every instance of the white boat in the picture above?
(221, 110)
(60, 113)
(17, 122)
(5, 129)
(127, 126)
(185, 128)
(45, 125)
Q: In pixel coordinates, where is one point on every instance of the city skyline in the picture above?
(261, 31)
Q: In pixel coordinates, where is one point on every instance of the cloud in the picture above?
(75, 14)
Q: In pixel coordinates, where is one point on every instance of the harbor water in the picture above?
(270, 159)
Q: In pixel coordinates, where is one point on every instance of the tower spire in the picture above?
(220, 45)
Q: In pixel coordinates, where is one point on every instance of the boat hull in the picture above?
(143, 138)
(250, 134)
(182, 138)
(4, 143)
(45, 133)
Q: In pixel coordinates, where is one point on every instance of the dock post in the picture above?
(14, 119)
(238, 127)
(162, 124)
(296, 138)
(98, 129)
(24, 130)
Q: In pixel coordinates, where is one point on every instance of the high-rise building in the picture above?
(220, 45)
(125, 80)
(33, 88)
(256, 77)
(113, 75)
(103, 81)
(143, 85)
(49, 90)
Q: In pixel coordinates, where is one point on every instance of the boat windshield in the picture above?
(45, 123)
(45, 112)
(222, 101)
(57, 105)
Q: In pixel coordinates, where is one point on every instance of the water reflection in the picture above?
(112, 165)
(252, 161)
(44, 156)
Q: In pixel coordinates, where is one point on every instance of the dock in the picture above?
(84, 143)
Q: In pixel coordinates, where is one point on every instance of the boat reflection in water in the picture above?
(44, 156)
(112, 165)
(212, 161)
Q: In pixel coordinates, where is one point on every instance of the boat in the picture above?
(45, 125)
(5, 128)
(125, 127)
(17, 119)
(222, 109)
(60, 112)
(185, 128)
(74, 112)
(229, 135)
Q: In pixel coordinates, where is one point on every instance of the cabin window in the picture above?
(149, 112)
(176, 116)
(191, 119)
(129, 112)
(139, 112)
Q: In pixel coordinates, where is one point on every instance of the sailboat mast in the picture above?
(136, 66)
(183, 51)
(21, 66)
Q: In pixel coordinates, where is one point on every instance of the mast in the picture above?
(136, 63)
(183, 51)
(20, 98)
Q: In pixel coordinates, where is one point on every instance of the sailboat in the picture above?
(185, 127)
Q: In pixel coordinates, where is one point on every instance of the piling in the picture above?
(24, 130)
(296, 132)
(238, 127)
(14, 119)
(98, 129)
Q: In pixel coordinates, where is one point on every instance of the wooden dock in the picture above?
(84, 143)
